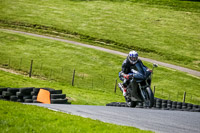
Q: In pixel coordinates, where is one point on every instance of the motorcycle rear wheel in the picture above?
(130, 103)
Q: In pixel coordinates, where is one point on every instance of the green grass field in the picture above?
(164, 30)
(151, 27)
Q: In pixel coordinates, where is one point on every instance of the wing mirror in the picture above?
(155, 65)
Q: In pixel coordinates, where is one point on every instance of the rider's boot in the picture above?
(124, 91)
(122, 88)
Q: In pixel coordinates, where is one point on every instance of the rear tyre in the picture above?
(130, 103)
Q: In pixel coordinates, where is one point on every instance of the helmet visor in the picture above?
(133, 58)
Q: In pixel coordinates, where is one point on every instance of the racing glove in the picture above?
(126, 76)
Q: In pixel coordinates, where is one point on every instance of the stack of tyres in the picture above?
(184, 106)
(158, 103)
(29, 95)
(174, 104)
(154, 105)
(2, 93)
(35, 92)
(196, 108)
(57, 97)
(169, 104)
(164, 104)
(13, 92)
(179, 105)
(24, 95)
(189, 106)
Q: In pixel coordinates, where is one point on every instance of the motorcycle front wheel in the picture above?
(149, 97)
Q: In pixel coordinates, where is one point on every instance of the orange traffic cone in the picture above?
(44, 96)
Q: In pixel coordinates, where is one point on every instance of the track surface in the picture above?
(162, 121)
(189, 71)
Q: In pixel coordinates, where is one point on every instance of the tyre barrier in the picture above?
(29, 95)
(162, 104)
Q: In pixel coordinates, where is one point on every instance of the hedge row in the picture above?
(29, 95)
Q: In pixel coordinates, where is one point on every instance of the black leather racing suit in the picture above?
(126, 69)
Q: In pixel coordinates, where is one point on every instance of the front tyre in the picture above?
(149, 97)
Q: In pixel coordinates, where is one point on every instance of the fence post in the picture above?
(73, 78)
(184, 96)
(30, 72)
(115, 86)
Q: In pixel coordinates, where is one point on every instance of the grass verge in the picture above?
(18, 118)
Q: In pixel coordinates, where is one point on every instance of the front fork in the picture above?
(141, 90)
(140, 87)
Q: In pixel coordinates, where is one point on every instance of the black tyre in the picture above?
(179, 105)
(59, 101)
(1, 97)
(109, 104)
(119, 104)
(20, 100)
(158, 103)
(174, 104)
(36, 90)
(13, 90)
(34, 97)
(48, 89)
(33, 93)
(27, 90)
(184, 106)
(123, 104)
(149, 97)
(3, 89)
(169, 104)
(195, 107)
(35, 101)
(164, 103)
(6, 93)
(13, 98)
(154, 105)
(56, 91)
(189, 106)
(28, 100)
(19, 94)
(130, 103)
(27, 97)
(56, 96)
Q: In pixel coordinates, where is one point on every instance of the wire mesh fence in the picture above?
(73, 75)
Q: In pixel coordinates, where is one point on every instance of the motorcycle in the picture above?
(139, 88)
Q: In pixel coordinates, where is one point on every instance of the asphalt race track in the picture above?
(162, 121)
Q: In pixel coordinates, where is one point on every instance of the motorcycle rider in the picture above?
(128, 64)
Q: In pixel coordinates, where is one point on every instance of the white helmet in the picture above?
(133, 57)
